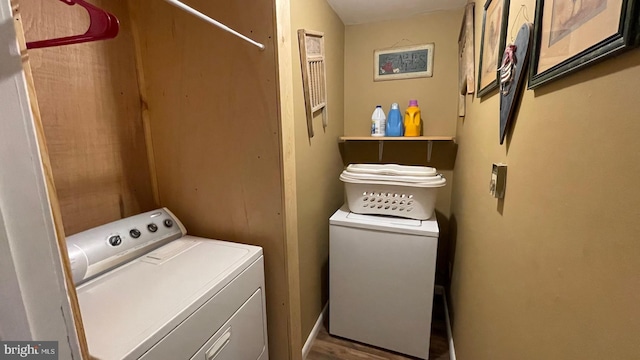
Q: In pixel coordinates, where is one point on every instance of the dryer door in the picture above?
(242, 337)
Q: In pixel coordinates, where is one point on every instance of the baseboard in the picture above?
(314, 332)
(439, 289)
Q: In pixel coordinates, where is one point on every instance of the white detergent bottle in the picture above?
(378, 122)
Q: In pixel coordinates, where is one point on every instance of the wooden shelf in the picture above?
(381, 139)
(396, 138)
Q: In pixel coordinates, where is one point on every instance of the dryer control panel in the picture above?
(105, 247)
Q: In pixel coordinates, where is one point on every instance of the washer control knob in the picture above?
(115, 240)
(135, 233)
(168, 223)
(152, 227)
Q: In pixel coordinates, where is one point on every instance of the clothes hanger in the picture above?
(103, 25)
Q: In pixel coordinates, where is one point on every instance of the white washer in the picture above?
(381, 280)
(190, 298)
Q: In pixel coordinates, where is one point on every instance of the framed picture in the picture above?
(571, 35)
(466, 51)
(494, 31)
(403, 62)
(466, 67)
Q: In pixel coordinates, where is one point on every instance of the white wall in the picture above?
(31, 278)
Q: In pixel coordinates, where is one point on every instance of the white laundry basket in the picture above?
(390, 189)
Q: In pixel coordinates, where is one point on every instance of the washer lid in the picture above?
(130, 308)
(343, 217)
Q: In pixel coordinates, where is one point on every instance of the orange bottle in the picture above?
(412, 120)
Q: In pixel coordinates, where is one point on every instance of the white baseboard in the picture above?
(314, 332)
(439, 289)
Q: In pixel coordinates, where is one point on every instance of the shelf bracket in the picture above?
(380, 150)
(429, 149)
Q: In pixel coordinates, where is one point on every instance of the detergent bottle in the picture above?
(412, 121)
(395, 127)
(378, 122)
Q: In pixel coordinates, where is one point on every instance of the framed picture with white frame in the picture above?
(403, 62)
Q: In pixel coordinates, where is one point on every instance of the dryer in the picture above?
(149, 291)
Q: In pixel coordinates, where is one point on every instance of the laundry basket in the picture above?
(390, 189)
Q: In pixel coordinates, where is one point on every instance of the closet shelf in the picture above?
(396, 138)
(382, 139)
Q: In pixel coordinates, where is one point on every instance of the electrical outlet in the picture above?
(498, 183)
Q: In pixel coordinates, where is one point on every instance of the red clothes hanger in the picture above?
(102, 26)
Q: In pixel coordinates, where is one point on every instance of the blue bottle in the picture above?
(395, 126)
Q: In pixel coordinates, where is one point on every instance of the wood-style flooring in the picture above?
(328, 347)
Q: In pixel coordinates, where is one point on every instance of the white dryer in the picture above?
(381, 280)
(149, 291)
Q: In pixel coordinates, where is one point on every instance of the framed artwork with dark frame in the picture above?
(494, 34)
(570, 35)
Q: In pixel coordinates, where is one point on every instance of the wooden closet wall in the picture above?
(173, 112)
(91, 112)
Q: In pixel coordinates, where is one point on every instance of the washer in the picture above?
(149, 291)
(381, 280)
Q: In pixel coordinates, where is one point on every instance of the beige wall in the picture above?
(437, 98)
(318, 164)
(436, 95)
(552, 272)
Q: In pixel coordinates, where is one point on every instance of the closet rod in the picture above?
(204, 17)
